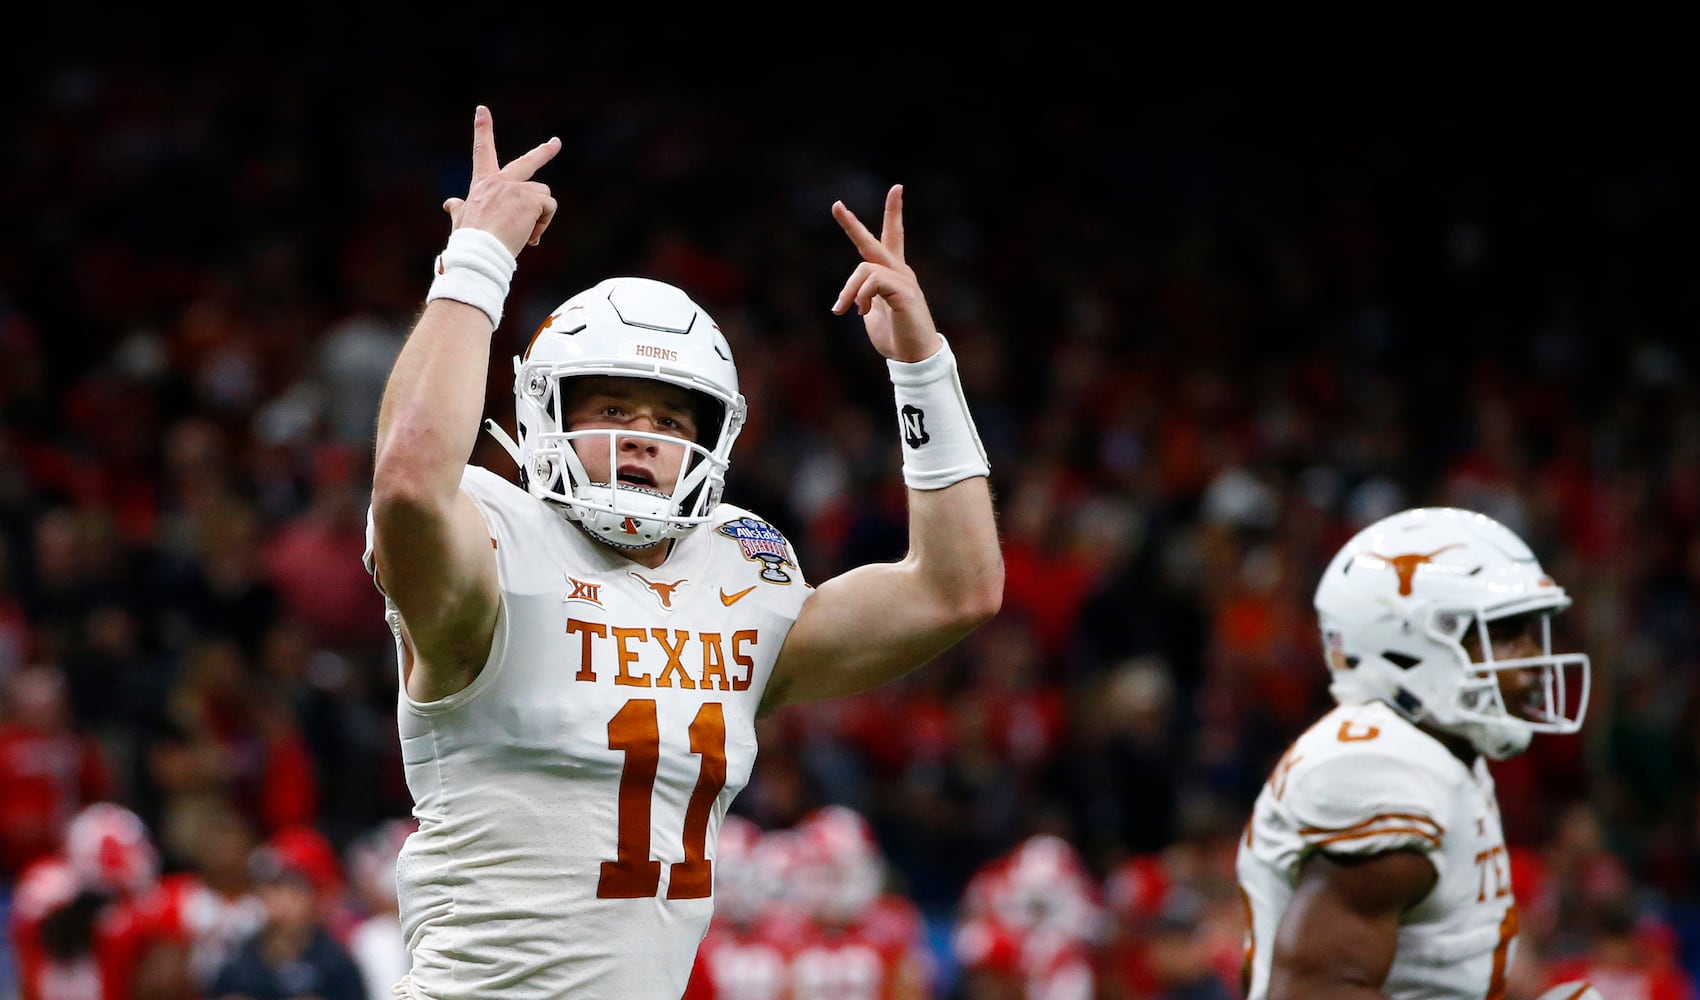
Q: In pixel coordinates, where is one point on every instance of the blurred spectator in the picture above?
(1630, 956)
(1130, 759)
(209, 847)
(49, 768)
(93, 920)
(16, 641)
(1179, 954)
(1174, 911)
(115, 681)
(78, 564)
(225, 735)
(302, 848)
(217, 584)
(352, 362)
(345, 718)
(1568, 878)
(1031, 925)
(746, 954)
(309, 558)
(293, 954)
(375, 940)
(862, 932)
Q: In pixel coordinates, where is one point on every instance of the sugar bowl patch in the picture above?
(761, 542)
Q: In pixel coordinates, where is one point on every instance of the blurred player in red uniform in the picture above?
(1631, 957)
(95, 922)
(863, 940)
(746, 954)
(1031, 925)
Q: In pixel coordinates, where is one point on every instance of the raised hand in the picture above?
(504, 201)
(883, 287)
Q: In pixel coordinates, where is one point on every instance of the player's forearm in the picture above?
(433, 404)
(953, 537)
(953, 542)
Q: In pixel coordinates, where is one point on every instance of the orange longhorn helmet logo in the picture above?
(1406, 565)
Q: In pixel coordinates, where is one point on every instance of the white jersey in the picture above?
(570, 798)
(1363, 780)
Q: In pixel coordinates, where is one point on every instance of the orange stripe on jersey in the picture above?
(1377, 832)
(1377, 818)
(1380, 825)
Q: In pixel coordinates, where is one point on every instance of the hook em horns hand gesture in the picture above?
(884, 288)
(504, 201)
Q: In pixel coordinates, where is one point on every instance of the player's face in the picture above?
(1515, 638)
(631, 404)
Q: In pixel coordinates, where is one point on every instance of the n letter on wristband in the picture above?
(940, 444)
(474, 268)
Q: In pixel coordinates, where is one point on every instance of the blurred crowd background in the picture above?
(1219, 301)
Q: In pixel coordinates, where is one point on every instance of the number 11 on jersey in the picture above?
(634, 874)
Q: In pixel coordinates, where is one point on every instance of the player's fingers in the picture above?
(452, 206)
(869, 282)
(523, 166)
(543, 220)
(484, 162)
(852, 288)
(866, 242)
(891, 231)
(869, 291)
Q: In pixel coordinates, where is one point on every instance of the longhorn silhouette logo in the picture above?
(1406, 565)
(662, 591)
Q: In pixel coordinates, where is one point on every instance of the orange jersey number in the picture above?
(633, 874)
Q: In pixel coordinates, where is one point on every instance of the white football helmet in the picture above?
(632, 327)
(840, 869)
(108, 847)
(745, 884)
(1396, 603)
(1042, 884)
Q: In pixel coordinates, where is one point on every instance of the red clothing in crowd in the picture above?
(1657, 980)
(737, 962)
(879, 956)
(124, 934)
(46, 775)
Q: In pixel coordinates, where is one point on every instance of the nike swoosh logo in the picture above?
(731, 599)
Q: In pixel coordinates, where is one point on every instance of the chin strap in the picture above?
(508, 445)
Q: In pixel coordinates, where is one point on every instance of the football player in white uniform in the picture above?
(583, 658)
(1374, 864)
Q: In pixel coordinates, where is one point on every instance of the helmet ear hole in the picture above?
(1451, 624)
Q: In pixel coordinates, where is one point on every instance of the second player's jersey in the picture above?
(1363, 780)
(569, 798)
(881, 955)
(745, 963)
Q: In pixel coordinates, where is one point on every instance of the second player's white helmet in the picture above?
(637, 328)
(1396, 603)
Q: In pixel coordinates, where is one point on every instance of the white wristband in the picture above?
(940, 444)
(474, 268)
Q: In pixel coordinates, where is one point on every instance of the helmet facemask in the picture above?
(625, 515)
(634, 328)
(1552, 699)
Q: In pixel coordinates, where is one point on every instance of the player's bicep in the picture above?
(439, 568)
(1341, 927)
(858, 631)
